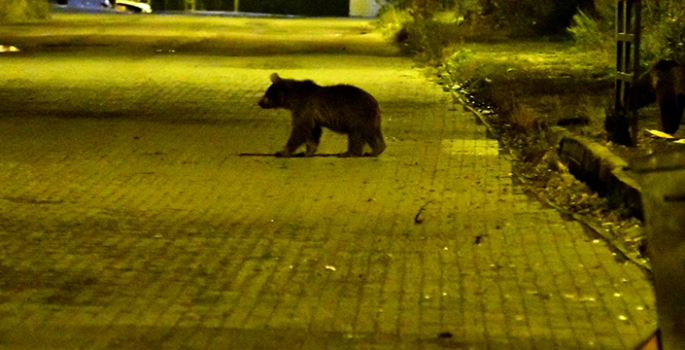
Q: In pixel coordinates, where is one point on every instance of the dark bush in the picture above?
(17, 11)
(538, 17)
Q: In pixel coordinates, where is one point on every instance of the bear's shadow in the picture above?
(296, 155)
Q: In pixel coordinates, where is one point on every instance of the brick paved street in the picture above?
(129, 220)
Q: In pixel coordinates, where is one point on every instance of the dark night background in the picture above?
(333, 8)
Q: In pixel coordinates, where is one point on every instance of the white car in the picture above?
(130, 6)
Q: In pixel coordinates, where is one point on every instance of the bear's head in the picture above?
(286, 93)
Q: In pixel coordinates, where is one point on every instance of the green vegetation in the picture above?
(19, 11)
(537, 63)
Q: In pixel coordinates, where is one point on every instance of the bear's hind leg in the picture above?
(313, 141)
(671, 113)
(681, 110)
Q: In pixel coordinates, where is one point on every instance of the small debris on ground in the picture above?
(8, 48)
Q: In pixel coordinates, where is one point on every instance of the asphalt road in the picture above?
(129, 219)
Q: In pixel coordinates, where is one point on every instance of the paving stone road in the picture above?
(129, 220)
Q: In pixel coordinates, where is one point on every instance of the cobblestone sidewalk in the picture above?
(129, 220)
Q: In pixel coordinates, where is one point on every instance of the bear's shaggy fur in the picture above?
(665, 84)
(341, 108)
(669, 83)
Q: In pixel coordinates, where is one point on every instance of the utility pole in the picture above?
(628, 33)
(235, 5)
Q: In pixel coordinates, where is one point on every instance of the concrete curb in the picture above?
(595, 165)
(589, 162)
(602, 170)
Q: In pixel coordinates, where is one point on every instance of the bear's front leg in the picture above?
(355, 145)
(313, 141)
(298, 137)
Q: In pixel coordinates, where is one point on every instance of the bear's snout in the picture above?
(265, 103)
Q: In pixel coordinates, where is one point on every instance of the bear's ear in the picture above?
(275, 78)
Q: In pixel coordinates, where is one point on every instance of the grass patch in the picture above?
(533, 85)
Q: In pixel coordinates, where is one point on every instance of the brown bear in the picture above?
(341, 108)
(665, 84)
(669, 81)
